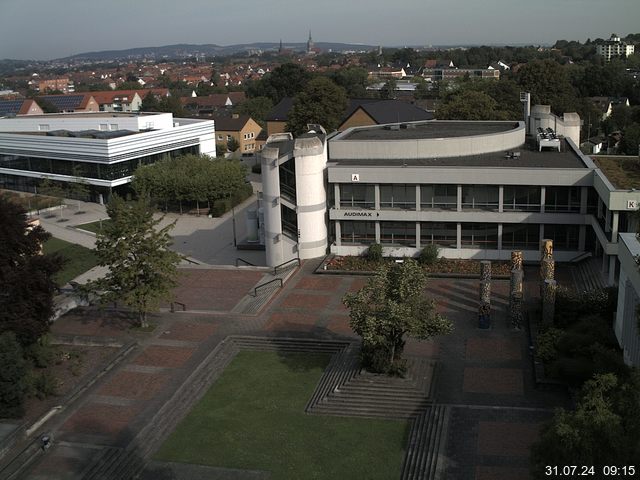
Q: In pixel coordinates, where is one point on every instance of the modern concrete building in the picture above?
(626, 323)
(100, 149)
(475, 189)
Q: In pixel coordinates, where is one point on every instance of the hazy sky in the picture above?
(46, 29)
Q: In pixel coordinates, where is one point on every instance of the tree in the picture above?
(390, 307)
(548, 83)
(257, 108)
(630, 142)
(142, 268)
(321, 102)
(285, 81)
(388, 90)
(13, 370)
(469, 105)
(603, 430)
(232, 144)
(26, 277)
(150, 103)
(354, 80)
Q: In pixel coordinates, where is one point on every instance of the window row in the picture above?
(472, 235)
(473, 197)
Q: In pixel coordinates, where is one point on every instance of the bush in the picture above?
(548, 344)
(429, 255)
(572, 305)
(42, 384)
(41, 353)
(13, 371)
(374, 253)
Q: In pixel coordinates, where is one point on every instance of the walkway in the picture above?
(484, 382)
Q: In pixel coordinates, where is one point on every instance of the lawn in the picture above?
(93, 226)
(78, 259)
(622, 172)
(253, 418)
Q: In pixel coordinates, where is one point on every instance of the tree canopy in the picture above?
(390, 307)
(142, 268)
(287, 80)
(26, 277)
(321, 102)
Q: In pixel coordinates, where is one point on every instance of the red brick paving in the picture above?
(493, 381)
(289, 321)
(340, 324)
(93, 323)
(506, 439)
(133, 385)
(319, 283)
(215, 289)
(301, 300)
(427, 348)
(100, 419)
(494, 349)
(357, 284)
(189, 332)
(160, 356)
(501, 473)
(69, 466)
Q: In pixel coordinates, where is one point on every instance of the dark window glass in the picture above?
(480, 235)
(289, 222)
(480, 197)
(442, 197)
(565, 237)
(398, 233)
(358, 196)
(442, 234)
(357, 232)
(521, 198)
(562, 199)
(400, 196)
(525, 236)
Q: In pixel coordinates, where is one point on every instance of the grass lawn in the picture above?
(253, 418)
(78, 259)
(622, 172)
(93, 226)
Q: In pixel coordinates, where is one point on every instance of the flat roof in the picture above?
(622, 172)
(429, 130)
(529, 158)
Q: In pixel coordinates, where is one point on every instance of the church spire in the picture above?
(310, 43)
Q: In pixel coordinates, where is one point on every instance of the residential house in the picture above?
(118, 101)
(607, 104)
(62, 84)
(19, 107)
(74, 102)
(240, 127)
(614, 48)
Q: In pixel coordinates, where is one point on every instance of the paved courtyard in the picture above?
(484, 375)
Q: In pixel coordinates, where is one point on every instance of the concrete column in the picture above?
(500, 201)
(612, 270)
(376, 196)
(543, 194)
(459, 236)
(541, 232)
(607, 221)
(418, 199)
(584, 194)
(614, 227)
(377, 232)
(582, 237)
(459, 206)
(499, 236)
(338, 233)
(336, 194)
(271, 206)
(418, 245)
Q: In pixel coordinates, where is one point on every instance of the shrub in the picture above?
(41, 353)
(548, 344)
(374, 252)
(13, 371)
(42, 384)
(572, 305)
(429, 255)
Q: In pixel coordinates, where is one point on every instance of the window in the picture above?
(359, 196)
(442, 234)
(442, 197)
(43, 127)
(113, 126)
(398, 233)
(399, 196)
(562, 199)
(565, 237)
(357, 233)
(480, 197)
(103, 127)
(289, 222)
(228, 138)
(521, 198)
(522, 236)
(287, 173)
(479, 235)
(220, 137)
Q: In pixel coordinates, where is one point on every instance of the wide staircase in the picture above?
(586, 275)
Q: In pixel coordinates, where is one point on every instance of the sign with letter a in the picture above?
(355, 177)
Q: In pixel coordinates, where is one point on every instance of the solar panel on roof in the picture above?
(10, 107)
(68, 102)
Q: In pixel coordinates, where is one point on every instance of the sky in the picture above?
(48, 29)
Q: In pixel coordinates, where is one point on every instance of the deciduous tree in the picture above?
(389, 308)
(321, 102)
(142, 268)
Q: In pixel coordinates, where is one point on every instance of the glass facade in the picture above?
(98, 171)
(562, 199)
(398, 233)
(565, 237)
(289, 222)
(357, 196)
(480, 197)
(357, 233)
(521, 198)
(287, 172)
(523, 236)
(442, 234)
(480, 235)
(442, 197)
(398, 196)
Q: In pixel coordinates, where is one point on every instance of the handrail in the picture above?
(255, 290)
(580, 257)
(275, 269)
(244, 261)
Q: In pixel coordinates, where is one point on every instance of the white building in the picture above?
(614, 48)
(101, 149)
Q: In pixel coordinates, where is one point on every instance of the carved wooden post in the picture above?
(515, 310)
(549, 288)
(516, 260)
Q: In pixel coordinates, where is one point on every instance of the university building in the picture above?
(100, 149)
